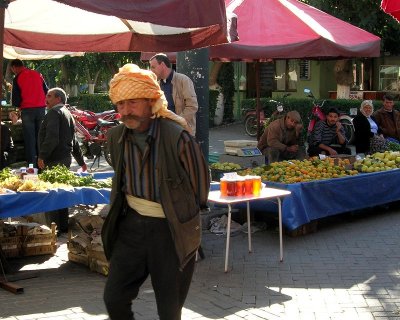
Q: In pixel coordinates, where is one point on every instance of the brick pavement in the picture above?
(349, 269)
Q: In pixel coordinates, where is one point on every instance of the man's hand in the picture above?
(40, 163)
(293, 149)
(338, 126)
(332, 152)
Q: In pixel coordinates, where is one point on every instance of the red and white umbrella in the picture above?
(117, 25)
(391, 7)
(286, 29)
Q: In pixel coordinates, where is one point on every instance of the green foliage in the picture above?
(304, 105)
(212, 106)
(225, 80)
(97, 102)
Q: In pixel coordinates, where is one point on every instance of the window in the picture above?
(304, 69)
(389, 78)
(286, 75)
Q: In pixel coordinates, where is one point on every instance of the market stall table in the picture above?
(266, 194)
(310, 201)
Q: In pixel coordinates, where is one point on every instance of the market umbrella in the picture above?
(290, 29)
(110, 26)
(10, 52)
(391, 7)
(118, 25)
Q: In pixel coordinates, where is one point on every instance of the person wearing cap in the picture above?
(178, 89)
(388, 119)
(281, 139)
(160, 185)
(367, 135)
(328, 137)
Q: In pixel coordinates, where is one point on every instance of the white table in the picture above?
(266, 193)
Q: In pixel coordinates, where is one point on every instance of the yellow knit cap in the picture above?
(132, 82)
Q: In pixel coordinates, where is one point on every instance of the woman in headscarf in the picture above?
(368, 138)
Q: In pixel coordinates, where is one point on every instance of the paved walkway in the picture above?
(349, 269)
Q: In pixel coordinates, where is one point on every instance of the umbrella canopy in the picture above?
(118, 25)
(391, 7)
(289, 29)
(10, 53)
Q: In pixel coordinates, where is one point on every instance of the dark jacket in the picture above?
(389, 128)
(362, 133)
(7, 146)
(57, 140)
(178, 200)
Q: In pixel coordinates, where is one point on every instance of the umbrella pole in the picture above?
(3, 6)
(258, 102)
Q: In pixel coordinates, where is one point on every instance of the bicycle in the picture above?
(250, 117)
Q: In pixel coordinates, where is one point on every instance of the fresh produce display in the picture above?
(225, 166)
(380, 161)
(56, 177)
(393, 146)
(5, 173)
(302, 171)
(61, 174)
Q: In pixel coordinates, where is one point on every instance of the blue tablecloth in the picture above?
(16, 204)
(318, 199)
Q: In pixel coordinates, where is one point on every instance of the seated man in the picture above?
(328, 137)
(280, 140)
(388, 119)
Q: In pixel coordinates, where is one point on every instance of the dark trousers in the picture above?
(145, 247)
(31, 120)
(61, 216)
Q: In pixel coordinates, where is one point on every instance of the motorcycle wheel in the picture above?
(348, 126)
(106, 153)
(250, 126)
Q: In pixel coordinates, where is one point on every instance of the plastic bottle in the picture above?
(31, 169)
(22, 172)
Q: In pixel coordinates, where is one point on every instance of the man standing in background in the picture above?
(178, 89)
(57, 145)
(28, 94)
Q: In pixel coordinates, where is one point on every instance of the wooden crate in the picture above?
(78, 258)
(39, 244)
(11, 246)
(99, 266)
(97, 255)
(38, 250)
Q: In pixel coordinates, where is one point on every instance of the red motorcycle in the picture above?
(91, 129)
(89, 118)
(317, 114)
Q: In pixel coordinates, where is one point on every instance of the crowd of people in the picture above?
(162, 180)
(281, 139)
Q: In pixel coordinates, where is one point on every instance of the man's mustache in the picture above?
(131, 117)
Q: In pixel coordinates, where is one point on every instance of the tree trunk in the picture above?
(212, 82)
(91, 88)
(343, 92)
(344, 78)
